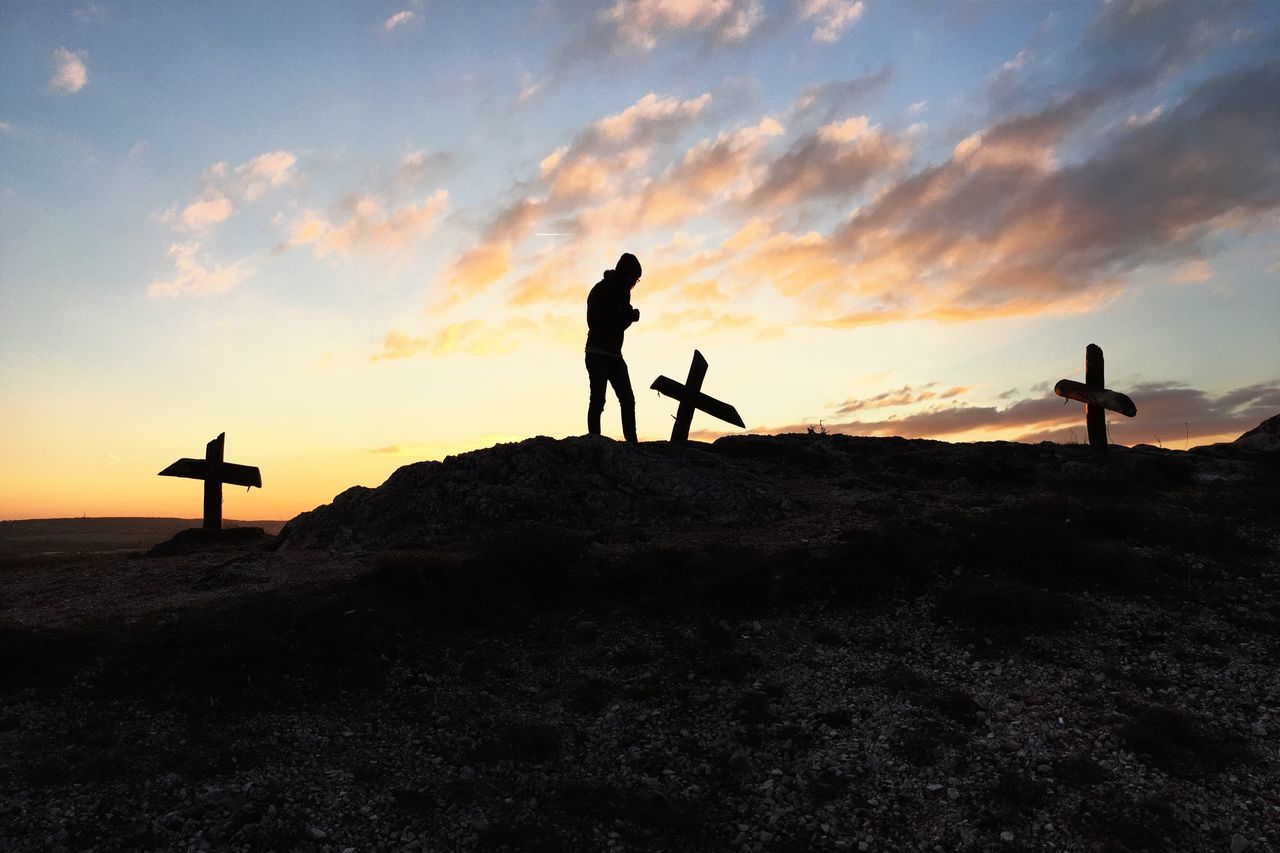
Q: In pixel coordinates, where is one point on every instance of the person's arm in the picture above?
(626, 314)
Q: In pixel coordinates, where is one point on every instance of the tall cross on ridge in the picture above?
(214, 472)
(1096, 397)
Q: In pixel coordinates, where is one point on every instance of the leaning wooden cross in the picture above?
(214, 472)
(691, 397)
(1096, 397)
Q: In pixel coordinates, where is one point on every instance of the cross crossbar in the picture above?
(1106, 398)
(231, 473)
(691, 398)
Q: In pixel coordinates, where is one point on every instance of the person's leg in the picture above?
(598, 376)
(621, 380)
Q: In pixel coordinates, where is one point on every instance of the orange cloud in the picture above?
(837, 161)
(193, 277)
(479, 337)
(255, 178)
(206, 212)
(369, 227)
(640, 24)
(649, 116)
(904, 396)
(833, 17)
(246, 183)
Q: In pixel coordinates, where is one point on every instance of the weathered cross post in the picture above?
(1096, 397)
(691, 397)
(214, 472)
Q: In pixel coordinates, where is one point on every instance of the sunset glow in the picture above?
(354, 236)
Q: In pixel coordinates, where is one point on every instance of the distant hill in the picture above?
(96, 535)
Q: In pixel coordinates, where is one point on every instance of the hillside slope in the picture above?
(769, 643)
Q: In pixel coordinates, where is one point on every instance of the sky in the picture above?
(355, 235)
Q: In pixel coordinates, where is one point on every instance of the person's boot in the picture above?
(593, 422)
(629, 424)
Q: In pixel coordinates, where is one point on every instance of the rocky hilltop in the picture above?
(608, 489)
(767, 643)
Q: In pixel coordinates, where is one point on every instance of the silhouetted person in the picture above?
(609, 313)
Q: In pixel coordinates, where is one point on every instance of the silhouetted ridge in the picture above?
(657, 490)
(583, 483)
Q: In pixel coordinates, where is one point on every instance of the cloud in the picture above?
(1195, 271)
(840, 97)
(709, 169)
(477, 337)
(836, 161)
(1002, 227)
(490, 258)
(89, 13)
(263, 173)
(640, 24)
(418, 167)
(833, 17)
(529, 88)
(1146, 41)
(1147, 118)
(400, 18)
(222, 184)
(647, 118)
(904, 396)
(616, 145)
(627, 28)
(1030, 214)
(369, 226)
(192, 277)
(204, 213)
(70, 74)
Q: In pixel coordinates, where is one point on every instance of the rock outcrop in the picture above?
(1265, 436)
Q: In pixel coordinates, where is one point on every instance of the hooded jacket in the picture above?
(609, 313)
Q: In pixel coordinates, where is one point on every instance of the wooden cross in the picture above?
(214, 472)
(1096, 397)
(691, 397)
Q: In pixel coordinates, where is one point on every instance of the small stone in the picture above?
(953, 794)
(1259, 729)
(933, 787)
(740, 762)
(1239, 843)
(316, 833)
(1006, 836)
